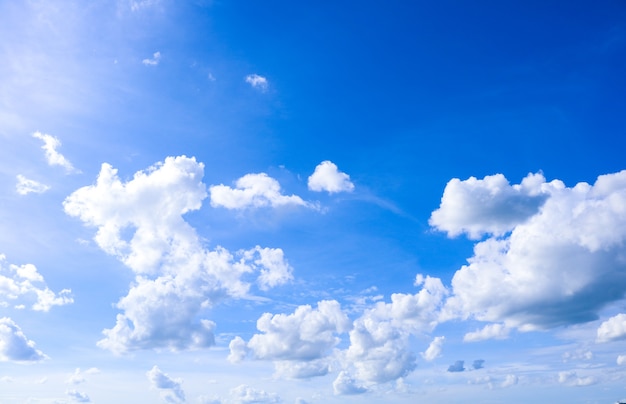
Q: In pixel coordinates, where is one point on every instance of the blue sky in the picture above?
(305, 202)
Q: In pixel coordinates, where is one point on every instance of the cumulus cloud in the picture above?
(490, 331)
(297, 342)
(458, 366)
(14, 346)
(612, 329)
(571, 378)
(560, 261)
(258, 82)
(253, 191)
(510, 380)
(156, 58)
(379, 340)
(346, 385)
(327, 177)
(78, 397)
(171, 390)
(177, 278)
(621, 359)
(434, 349)
(244, 394)
(26, 186)
(20, 285)
(50, 145)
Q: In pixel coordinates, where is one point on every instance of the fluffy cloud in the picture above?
(23, 284)
(379, 340)
(50, 145)
(490, 331)
(14, 346)
(346, 385)
(510, 380)
(258, 82)
(571, 378)
(327, 177)
(434, 349)
(253, 191)
(490, 205)
(171, 390)
(26, 186)
(156, 58)
(612, 329)
(297, 342)
(244, 394)
(562, 261)
(621, 359)
(177, 278)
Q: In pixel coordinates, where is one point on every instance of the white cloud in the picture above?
(23, 284)
(297, 342)
(238, 350)
(26, 186)
(78, 397)
(327, 177)
(434, 349)
(14, 346)
(612, 329)
(621, 360)
(244, 394)
(571, 378)
(490, 331)
(562, 261)
(258, 82)
(253, 191)
(379, 341)
(156, 58)
(50, 146)
(177, 278)
(510, 380)
(344, 384)
(171, 390)
(78, 376)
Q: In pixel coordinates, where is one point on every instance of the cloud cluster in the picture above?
(14, 346)
(50, 146)
(244, 394)
(253, 191)
(21, 285)
(554, 255)
(327, 177)
(612, 329)
(171, 390)
(258, 82)
(141, 222)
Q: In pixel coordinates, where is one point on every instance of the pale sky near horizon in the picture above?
(312, 202)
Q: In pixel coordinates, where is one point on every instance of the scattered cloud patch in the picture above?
(23, 284)
(244, 394)
(621, 360)
(560, 261)
(490, 331)
(79, 376)
(510, 380)
(458, 366)
(77, 396)
(156, 58)
(258, 82)
(434, 349)
(50, 146)
(253, 191)
(14, 346)
(177, 279)
(26, 186)
(478, 364)
(171, 390)
(327, 177)
(344, 384)
(571, 378)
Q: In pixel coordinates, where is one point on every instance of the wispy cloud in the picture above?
(54, 158)
(26, 186)
(156, 58)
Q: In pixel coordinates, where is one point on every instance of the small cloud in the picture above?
(345, 385)
(478, 364)
(171, 390)
(78, 396)
(490, 331)
(510, 380)
(621, 360)
(613, 329)
(571, 378)
(327, 177)
(246, 394)
(156, 58)
(26, 186)
(50, 146)
(434, 349)
(457, 367)
(14, 346)
(258, 82)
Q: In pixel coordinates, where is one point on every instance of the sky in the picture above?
(312, 202)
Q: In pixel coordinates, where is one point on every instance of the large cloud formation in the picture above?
(141, 223)
(553, 255)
